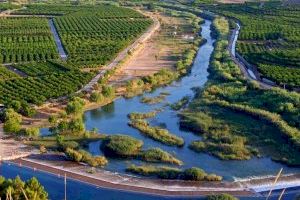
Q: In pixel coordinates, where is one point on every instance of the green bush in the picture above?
(86, 157)
(96, 97)
(121, 146)
(221, 197)
(13, 120)
(75, 106)
(32, 132)
(158, 155)
(192, 174)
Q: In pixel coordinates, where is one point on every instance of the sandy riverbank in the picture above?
(106, 179)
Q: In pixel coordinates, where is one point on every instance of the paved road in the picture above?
(248, 73)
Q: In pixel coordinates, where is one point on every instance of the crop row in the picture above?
(6, 74)
(36, 90)
(26, 39)
(271, 42)
(40, 68)
(94, 41)
(102, 11)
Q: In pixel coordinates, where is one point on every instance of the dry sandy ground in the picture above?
(144, 63)
(155, 54)
(10, 148)
(106, 179)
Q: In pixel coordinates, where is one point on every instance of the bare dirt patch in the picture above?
(161, 51)
(10, 148)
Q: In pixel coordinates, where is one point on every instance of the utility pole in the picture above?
(65, 186)
(275, 181)
(281, 194)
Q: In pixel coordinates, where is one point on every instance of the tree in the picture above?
(12, 122)
(53, 120)
(32, 132)
(221, 197)
(108, 91)
(194, 173)
(60, 139)
(18, 189)
(75, 106)
(34, 190)
(76, 125)
(96, 97)
(16, 105)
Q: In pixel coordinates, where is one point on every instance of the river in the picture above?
(112, 119)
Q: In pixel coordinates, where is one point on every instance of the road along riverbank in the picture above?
(244, 66)
(106, 179)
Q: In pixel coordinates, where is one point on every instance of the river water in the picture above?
(76, 190)
(112, 119)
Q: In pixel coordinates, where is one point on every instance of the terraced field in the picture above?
(271, 42)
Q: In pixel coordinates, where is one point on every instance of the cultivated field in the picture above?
(91, 35)
(271, 42)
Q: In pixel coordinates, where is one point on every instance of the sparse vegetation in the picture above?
(135, 115)
(153, 100)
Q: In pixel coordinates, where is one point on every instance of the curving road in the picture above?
(248, 73)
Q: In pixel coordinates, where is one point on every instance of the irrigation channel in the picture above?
(112, 119)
